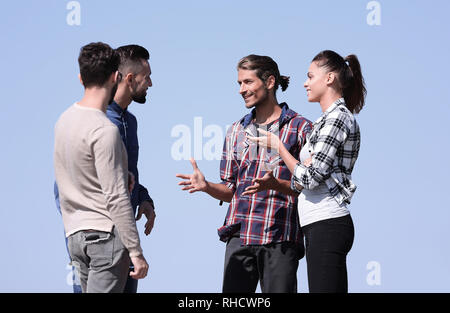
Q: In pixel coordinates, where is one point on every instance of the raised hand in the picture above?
(193, 182)
(268, 140)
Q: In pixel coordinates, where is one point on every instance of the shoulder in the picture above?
(342, 114)
(106, 131)
(301, 121)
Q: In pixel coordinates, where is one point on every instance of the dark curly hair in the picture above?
(97, 62)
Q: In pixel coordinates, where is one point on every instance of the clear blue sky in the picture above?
(400, 210)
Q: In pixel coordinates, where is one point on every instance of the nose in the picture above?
(242, 89)
(305, 84)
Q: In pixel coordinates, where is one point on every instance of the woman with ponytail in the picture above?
(323, 176)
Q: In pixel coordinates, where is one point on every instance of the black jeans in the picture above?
(274, 265)
(327, 244)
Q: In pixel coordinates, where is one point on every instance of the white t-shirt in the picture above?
(317, 204)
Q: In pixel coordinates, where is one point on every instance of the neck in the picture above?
(96, 98)
(328, 99)
(122, 98)
(267, 111)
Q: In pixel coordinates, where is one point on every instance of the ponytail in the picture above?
(284, 82)
(350, 79)
(354, 88)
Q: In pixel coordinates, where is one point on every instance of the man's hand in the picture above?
(268, 181)
(194, 182)
(131, 182)
(146, 208)
(140, 267)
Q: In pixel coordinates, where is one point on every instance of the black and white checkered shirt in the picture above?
(334, 141)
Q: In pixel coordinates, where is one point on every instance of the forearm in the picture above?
(288, 159)
(219, 191)
(284, 186)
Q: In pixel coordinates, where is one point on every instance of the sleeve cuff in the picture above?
(297, 173)
(134, 252)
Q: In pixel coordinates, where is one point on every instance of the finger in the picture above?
(187, 188)
(183, 183)
(193, 190)
(136, 274)
(148, 227)
(184, 176)
(194, 164)
(251, 188)
(251, 138)
(249, 192)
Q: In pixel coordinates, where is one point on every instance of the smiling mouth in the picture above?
(247, 97)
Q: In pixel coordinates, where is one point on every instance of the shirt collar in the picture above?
(331, 108)
(286, 114)
(116, 107)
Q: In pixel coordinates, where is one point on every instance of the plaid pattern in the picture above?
(335, 142)
(267, 216)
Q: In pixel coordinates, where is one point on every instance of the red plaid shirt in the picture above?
(267, 216)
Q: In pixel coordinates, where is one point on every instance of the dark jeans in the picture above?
(131, 285)
(273, 265)
(327, 244)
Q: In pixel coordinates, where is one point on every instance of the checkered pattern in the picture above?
(335, 142)
(267, 216)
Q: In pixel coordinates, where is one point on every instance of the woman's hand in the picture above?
(268, 140)
(307, 162)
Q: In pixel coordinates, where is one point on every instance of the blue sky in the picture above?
(400, 211)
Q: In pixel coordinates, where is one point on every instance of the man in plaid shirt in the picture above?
(264, 240)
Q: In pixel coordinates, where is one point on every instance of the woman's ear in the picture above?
(81, 80)
(331, 77)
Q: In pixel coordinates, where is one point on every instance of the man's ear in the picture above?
(270, 82)
(81, 80)
(128, 78)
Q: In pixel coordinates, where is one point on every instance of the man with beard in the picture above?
(136, 71)
(264, 240)
(91, 171)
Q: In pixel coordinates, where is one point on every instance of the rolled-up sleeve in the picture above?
(228, 164)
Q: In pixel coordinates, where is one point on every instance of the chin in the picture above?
(249, 105)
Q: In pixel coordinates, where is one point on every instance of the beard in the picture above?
(113, 93)
(261, 100)
(139, 97)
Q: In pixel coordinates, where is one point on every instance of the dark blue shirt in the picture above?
(127, 124)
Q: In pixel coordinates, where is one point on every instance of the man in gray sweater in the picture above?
(91, 170)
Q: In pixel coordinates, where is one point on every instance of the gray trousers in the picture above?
(100, 260)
